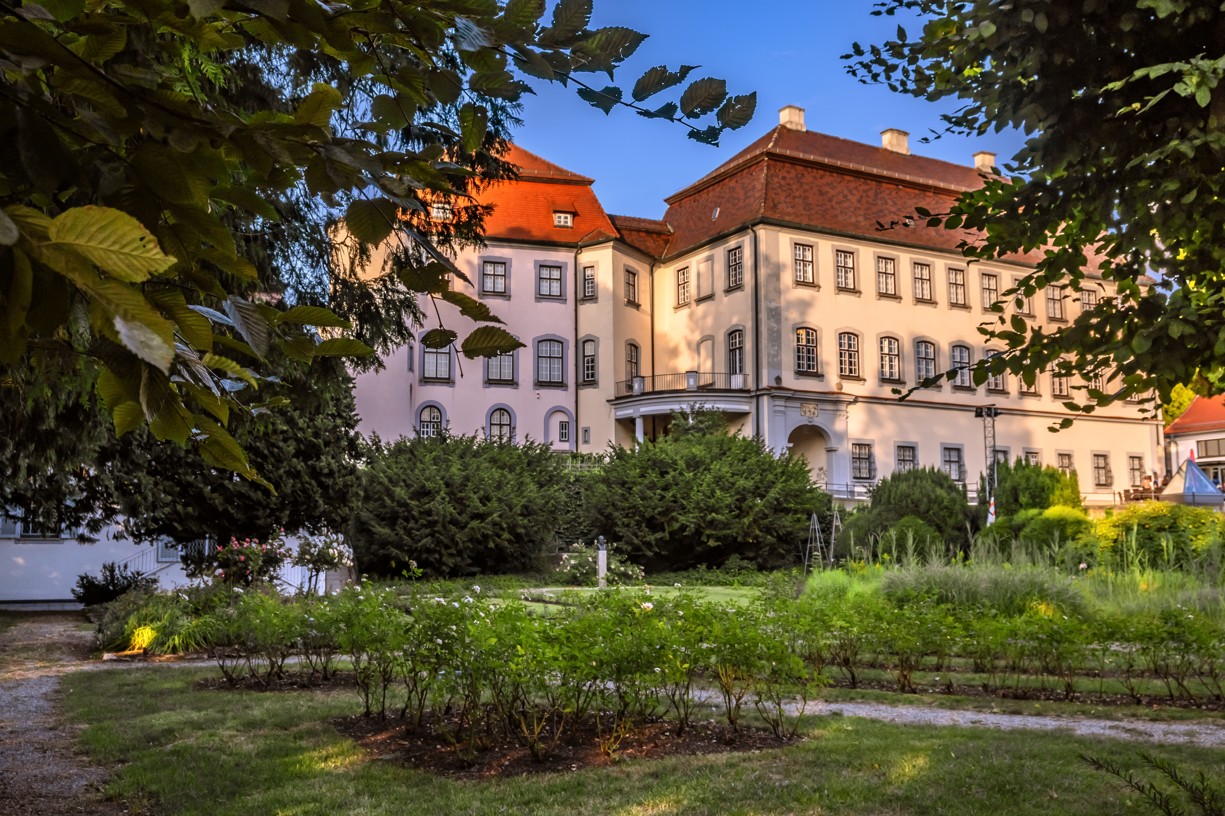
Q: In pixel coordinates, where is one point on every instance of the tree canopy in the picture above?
(172, 173)
(1122, 172)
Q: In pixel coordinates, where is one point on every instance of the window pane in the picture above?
(493, 278)
(922, 281)
(886, 276)
(803, 264)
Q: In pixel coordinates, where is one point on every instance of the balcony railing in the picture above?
(685, 381)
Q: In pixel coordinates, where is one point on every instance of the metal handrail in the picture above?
(697, 381)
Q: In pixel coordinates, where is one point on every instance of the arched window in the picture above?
(924, 360)
(430, 421)
(500, 428)
(996, 382)
(959, 356)
(735, 351)
(890, 358)
(632, 356)
(806, 351)
(848, 354)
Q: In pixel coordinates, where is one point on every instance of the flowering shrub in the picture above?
(579, 566)
(238, 563)
(320, 554)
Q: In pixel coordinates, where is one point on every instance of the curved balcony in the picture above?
(697, 381)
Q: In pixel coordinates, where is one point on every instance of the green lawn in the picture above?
(181, 750)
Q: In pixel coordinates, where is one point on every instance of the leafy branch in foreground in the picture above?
(1122, 174)
(1206, 799)
(172, 170)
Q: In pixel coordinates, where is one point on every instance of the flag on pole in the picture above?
(991, 512)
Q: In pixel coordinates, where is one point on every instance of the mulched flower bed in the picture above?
(425, 749)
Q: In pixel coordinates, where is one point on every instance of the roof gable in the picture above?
(1203, 414)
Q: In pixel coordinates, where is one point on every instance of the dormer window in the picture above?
(565, 220)
(440, 211)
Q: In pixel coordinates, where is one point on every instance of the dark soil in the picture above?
(426, 748)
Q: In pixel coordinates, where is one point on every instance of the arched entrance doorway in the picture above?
(811, 442)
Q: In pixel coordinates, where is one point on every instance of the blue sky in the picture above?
(786, 50)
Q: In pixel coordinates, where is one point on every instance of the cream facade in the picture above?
(769, 294)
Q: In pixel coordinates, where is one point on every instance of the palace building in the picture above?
(770, 293)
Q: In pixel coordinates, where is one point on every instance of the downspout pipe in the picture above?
(757, 422)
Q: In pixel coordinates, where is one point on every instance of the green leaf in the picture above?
(473, 125)
(667, 111)
(342, 347)
(523, 13)
(570, 18)
(488, 341)
(737, 111)
(470, 307)
(371, 221)
(613, 44)
(703, 96)
(439, 338)
(142, 339)
(250, 323)
(9, 234)
(605, 100)
(231, 367)
(313, 316)
(112, 239)
(433, 278)
(319, 105)
(127, 416)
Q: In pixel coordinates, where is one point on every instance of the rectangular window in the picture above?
(586, 436)
(588, 282)
(548, 282)
(1030, 389)
(631, 286)
(844, 269)
(1102, 477)
(1033, 457)
(952, 463)
(8, 526)
(493, 278)
(589, 361)
(1088, 299)
(924, 360)
(1135, 470)
(1210, 448)
(923, 282)
(806, 351)
(862, 464)
(959, 357)
(549, 362)
(735, 267)
(436, 364)
(682, 286)
(564, 220)
(1059, 386)
(500, 369)
(1024, 303)
(890, 359)
(886, 277)
(563, 430)
(848, 355)
(907, 458)
(957, 287)
(991, 289)
(804, 272)
(1054, 302)
(440, 211)
(1064, 463)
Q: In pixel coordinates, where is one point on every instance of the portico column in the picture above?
(638, 430)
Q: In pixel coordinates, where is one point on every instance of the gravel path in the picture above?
(42, 773)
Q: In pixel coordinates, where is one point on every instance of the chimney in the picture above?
(984, 161)
(792, 117)
(896, 140)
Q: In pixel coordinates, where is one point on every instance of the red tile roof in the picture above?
(644, 234)
(1203, 414)
(822, 182)
(523, 208)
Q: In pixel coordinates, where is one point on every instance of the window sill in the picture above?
(852, 292)
(884, 296)
(737, 288)
(700, 298)
(810, 375)
(925, 302)
(501, 384)
(806, 285)
(966, 389)
(849, 378)
(495, 295)
(437, 381)
(550, 385)
(680, 306)
(962, 307)
(550, 298)
(1002, 392)
(633, 304)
